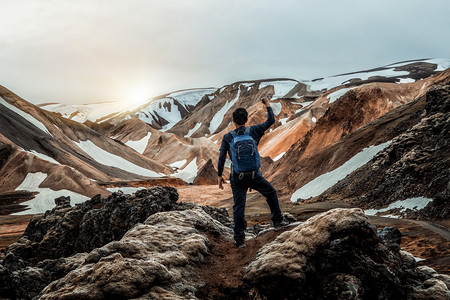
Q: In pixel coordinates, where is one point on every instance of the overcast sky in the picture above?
(89, 50)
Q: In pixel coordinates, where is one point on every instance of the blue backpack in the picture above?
(244, 153)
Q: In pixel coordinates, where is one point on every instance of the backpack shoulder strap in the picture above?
(247, 130)
(233, 133)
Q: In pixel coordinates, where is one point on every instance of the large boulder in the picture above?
(338, 255)
(153, 260)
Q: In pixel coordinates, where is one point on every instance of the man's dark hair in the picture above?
(240, 116)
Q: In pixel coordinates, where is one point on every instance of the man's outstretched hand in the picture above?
(220, 182)
(265, 101)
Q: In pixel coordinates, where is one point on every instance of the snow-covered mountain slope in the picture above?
(83, 112)
(162, 112)
(68, 155)
(184, 155)
(402, 72)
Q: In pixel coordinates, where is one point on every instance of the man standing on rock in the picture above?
(241, 146)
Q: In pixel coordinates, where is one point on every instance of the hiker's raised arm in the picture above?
(270, 116)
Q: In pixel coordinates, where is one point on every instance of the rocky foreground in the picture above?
(149, 246)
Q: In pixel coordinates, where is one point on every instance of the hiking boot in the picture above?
(240, 243)
(280, 225)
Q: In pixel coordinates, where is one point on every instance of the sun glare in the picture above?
(138, 95)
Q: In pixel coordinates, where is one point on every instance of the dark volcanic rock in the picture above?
(392, 236)
(153, 260)
(334, 255)
(62, 202)
(48, 248)
(418, 70)
(337, 255)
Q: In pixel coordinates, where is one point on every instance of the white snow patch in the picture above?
(304, 106)
(126, 190)
(191, 97)
(338, 94)
(314, 119)
(164, 108)
(406, 80)
(283, 121)
(109, 159)
(45, 200)
(24, 115)
(443, 63)
(82, 112)
(276, 107)
(279, 156)
(281, 87)
(218, 117)
(44, 157)
(248, 84)
(178, 164)
(320, 184)
(189, 172)
(141, 144)
(191, 131)
(417, 203)
(331, 82)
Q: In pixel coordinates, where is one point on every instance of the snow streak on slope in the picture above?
(189, 172)
(141, 144)
(281, 87)
(167, 108)
(279, 156)
(331, 82)
(442, 63)
(24, 115)
(164, 108)
(411, 203)
(218, 117)
(338, 94)
(82, 112)
(109, 159)
(45, 200)
(126, 189)
(43, 156)
(193, 130)
(191, 97)
(320, 184)
(178, 164)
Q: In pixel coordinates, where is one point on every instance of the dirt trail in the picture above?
(444, 232)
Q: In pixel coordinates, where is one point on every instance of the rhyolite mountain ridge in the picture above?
(320, 125)
(376, 139)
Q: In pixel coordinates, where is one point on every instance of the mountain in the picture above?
(320, 126)
(43, 152)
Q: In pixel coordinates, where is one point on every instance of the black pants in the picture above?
(239, 188)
